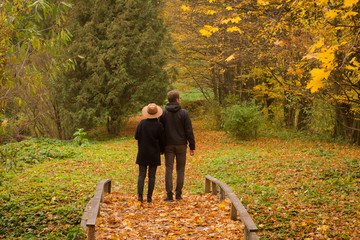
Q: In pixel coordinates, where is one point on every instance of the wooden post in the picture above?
(207, 185)
(91, 232)
(233, 212)
(236, 206)
(102, 196)
(221, 195)
(214, 188)
(246, 233)
(108, 188)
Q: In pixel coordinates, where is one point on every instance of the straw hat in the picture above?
(152, 111)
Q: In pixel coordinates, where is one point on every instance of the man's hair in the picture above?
(173, 95)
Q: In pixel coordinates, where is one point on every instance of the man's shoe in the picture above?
(178, 197)
(140, 198)
(168, 199)
(149, 199)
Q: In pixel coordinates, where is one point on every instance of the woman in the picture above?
(150, 136)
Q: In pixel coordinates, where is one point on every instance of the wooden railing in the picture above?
(236, 206)
(92, 209)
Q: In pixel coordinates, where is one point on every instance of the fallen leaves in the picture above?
(198, 216)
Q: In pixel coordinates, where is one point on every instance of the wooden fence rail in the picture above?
(236, 206)
(92, 209)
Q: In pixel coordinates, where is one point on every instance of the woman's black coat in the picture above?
(150, 136)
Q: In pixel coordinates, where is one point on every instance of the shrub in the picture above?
(242, 120)
(80, 137)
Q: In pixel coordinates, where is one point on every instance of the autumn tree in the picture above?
(240, 50)
(120, 48)
(32, 35)
(335, 54)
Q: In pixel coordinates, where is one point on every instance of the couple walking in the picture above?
(165, 131)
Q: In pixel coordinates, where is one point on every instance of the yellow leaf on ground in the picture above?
(323, 228)
(221, 205)
(185, 8)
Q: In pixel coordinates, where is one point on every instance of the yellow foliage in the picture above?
(236, 20)
(208, 30)
(317, 76)
(233, 20)
(331, 15)
(355, 62)
(226, 21)
(327, 56)
(205, 33)
(185, 8)
(317, 45)
(234, 29)
(352, 68)
(210, 12)
(322, 2)
(229, 8)
(349, 14)
(262, 2)
(231, 57)
(350, 3)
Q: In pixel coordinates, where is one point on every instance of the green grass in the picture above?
(288, 184)
(47, 199)
(293, 188)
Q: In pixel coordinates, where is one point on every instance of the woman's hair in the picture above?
(173, 95)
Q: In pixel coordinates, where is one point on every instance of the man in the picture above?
(178, 132)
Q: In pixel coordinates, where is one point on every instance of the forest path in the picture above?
(197, 216)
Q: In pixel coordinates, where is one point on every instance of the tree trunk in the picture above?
(344, 121)
(356, 131)
(303, 114)
(289, 112)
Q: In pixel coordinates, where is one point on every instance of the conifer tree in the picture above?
(120, 47)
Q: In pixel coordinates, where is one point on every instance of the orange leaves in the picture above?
(195, 217)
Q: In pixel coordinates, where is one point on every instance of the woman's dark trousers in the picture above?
(141, 179)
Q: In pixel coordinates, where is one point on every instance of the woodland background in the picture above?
(86, 64)
(80, 69)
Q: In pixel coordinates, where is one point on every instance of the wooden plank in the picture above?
(85, 215)
(94, 207)
(94, 210)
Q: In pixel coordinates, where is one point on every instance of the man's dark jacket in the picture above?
(178, 127)
(150, 136)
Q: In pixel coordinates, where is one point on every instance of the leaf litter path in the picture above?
(197, 216)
